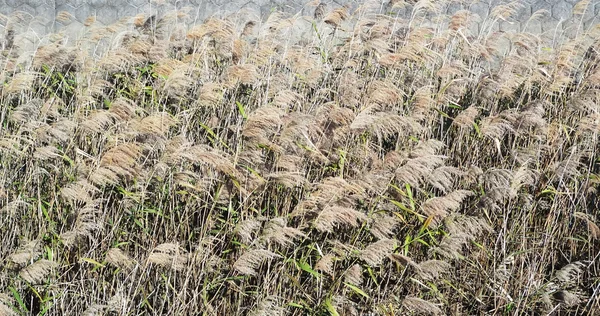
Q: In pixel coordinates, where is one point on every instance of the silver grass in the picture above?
(335, 216)
(432, 269)
(326, 264)
(570, 274)
(418, 305)
(374, 253)
(440, 207)
(247, 229)
(26, 253)
(169, 255)
(383, 226)
(268, 306)
(354, 275)
(250, 261)
(119, 258)
(38, 271)
(277, 231)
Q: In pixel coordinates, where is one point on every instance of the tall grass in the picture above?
(350, 162)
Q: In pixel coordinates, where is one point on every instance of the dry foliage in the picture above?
(378, 159)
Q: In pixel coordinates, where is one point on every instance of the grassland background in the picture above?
(385, 159)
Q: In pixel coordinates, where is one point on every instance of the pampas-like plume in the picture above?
(46, 153)
(504, 11)
(320, 11)
(383, 124)
(216, 28)
(123, 109)
(26, 253)
(27, 111)
(262, 123)
(119, 258)
(250, 261)
(288, 179)
(432, 269)
(157, 124)
(383, 226)
(210, 156)
(354, 275)
(443, 178)
(461, 230)
(325, 264)
(59, 132)
(247, 228)
(38, 271)
(384, 93)
(86, 222)
(269, 306)
(466, 118)
(98, 122)
(570, 273)
(122, 159)
(581, 7)
(64, 17)
(210, 95)
(335, 17)
(5, 309)
(496, 126)
(374, 253)
(248, 29)
(415, 170)
(94, 310)
(331, 190)
(20, 82)
(418, 305)
(334, 216)
(440, 207)
(246, 74)
(169, 255)
(55, 56)
(276, 230)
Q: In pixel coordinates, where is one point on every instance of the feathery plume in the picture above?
(169, 255)
(383, 226)
(334, 216)
(418, 305)
(320, 11)
(267, 307)
(26, 253)
(119, 258)
(354, 275)
(374, 253)
(432, 269)
(335, 17)
(440, 207)
(325, 264)
(250, 261)
(247, 228)
(276, 230)
(38, 271)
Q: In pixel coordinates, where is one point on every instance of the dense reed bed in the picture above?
(351, 162)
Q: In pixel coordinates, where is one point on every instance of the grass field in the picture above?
(346, 163)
